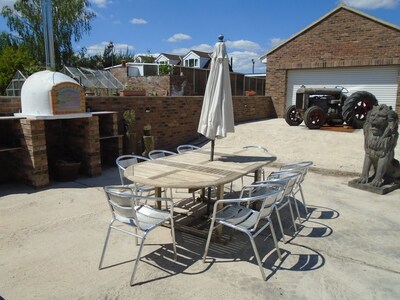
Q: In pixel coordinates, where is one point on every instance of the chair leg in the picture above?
(292, 215)
(280, 225)
(253, 243)
(274, 238)
(302, 198)
(136, 238)
(138, 258)
(105, 245)
(208, 240)
(173, 237)
(297, 209)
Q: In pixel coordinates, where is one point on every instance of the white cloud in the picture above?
(372, 4)
(179, 37)
(276, 41)
(99, 48)
(100, 3)
(138, 21)
(180, 51)
(202, 47)
(242, 62)
(243, 45)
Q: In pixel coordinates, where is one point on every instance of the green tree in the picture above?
(71, 19)
(13, 58)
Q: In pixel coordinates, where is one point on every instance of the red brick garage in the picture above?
(344, 47)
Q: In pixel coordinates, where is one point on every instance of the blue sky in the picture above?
(250, 27)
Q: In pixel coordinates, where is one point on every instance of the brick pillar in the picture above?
(35, 167)
(91, 146)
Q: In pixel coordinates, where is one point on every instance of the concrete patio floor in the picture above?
(348, 248)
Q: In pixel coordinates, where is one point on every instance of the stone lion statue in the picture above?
(380, 139)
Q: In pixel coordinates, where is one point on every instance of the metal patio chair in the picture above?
(262, 172)
(154, 154)
(125, 161)
(127, 210)
(157, 153)
(289, 179)
(302, 167)
(238, 215)
(185, 148)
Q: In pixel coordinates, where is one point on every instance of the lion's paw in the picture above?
(376, 182)
(362, 180)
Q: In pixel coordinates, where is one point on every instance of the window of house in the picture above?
(191, 62)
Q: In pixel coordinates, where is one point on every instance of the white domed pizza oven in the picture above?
(52, 95)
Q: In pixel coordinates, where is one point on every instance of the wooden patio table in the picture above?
(194, 170)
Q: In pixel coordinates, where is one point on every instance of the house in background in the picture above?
(187, 77)
(346, 47)
(169, 59)
(197, 59)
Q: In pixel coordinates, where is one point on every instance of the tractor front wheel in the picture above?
(292, 117)
(314, 117)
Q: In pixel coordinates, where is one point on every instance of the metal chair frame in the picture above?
(302, 167)
(237, 215)
(154, 154)
(126, 209)
(186, 147)
(289, 179)
(262, 171)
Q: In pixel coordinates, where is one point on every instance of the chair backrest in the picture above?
(288, 178)
(185, 148)
(301, 166)
(126, 205)
(154, 154)
(125, 161)
(262, 149)
(121, 201)
(267, 194)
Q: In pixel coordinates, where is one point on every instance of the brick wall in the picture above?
(174, 120)
(343, 39)
(9, 106)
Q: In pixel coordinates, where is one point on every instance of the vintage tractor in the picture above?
(317, 106)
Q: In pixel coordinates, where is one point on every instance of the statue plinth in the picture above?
(382, 190)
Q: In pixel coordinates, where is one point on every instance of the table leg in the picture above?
(158, 194)
(257, 175)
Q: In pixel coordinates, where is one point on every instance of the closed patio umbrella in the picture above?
(216, 118)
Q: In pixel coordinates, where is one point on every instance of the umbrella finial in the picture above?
(221, 37)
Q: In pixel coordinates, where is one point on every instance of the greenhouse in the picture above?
(95, 82)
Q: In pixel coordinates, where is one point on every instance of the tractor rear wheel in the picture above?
(314, 117)
(292, 117)
(356, 107)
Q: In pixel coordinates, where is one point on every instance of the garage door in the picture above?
(380, 81)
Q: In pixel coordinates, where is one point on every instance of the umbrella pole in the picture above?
(212, 150)
(209, 188)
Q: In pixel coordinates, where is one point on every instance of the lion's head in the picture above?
(380, 130)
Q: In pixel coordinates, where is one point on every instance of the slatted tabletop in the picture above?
(195, 170)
